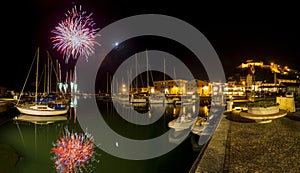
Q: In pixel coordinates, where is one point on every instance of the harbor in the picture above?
(157, 87)
(238, 144)
(31, 138)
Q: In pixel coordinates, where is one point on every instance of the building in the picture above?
(268, 78)
(180, 86)
(234, 90)
(198, 86)
(177, 86)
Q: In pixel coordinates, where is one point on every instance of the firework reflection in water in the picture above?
(73, 152)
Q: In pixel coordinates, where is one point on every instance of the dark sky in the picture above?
(238, 32)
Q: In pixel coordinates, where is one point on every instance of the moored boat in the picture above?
(41, 106)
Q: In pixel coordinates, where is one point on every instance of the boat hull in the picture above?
(30, 111)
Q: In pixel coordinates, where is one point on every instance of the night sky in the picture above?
(237, 32)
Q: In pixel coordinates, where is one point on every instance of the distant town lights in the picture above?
(166, 91)
(205, 87)
(152, 90)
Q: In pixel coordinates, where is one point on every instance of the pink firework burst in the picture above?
(75, 35)
(72, 152)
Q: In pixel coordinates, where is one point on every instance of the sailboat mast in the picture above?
(129, 77)
(37, 74)
(111, 87)
(174, 72)
(136, 77)
(45, 78)
(147, 71)
(50, 75)
(32, 64)
(107, 83)
(164, 75)
(57, 72)
(48, 72)
(117, 86)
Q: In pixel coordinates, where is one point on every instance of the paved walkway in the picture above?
(241, 145)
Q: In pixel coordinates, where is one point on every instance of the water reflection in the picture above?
(42, 120)
(33, 137)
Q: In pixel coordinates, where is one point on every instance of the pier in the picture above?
(6, 103)
(242, 145)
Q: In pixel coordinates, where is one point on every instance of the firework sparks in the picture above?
(75, 35)
(73, 151)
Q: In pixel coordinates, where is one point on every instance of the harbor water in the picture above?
(31, 141)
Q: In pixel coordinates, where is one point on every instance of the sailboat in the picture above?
(158, 97)
(140, 97)
(40, 108)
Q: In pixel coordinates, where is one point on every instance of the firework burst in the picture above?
(75, 35)
(72, 152)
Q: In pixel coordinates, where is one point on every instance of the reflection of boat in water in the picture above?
(184, 121)
(40, 119)
(194, 141)
(176, 137)
(35, 134)
(141, 107)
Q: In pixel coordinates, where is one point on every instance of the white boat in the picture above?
(41, 110)
(182, 122)
(199, 125)
(138, 98)
(157, 98)
(121, 97)
(38, 108)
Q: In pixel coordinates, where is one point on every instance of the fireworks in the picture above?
(75, 35)
(73, 151)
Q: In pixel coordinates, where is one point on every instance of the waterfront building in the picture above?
(177, 86)
(198, 86)
(234, 90)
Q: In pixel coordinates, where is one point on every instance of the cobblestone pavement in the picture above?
(272, 147)
(250, 147)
